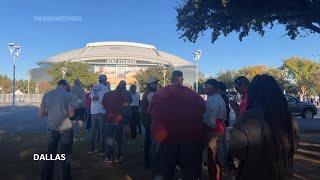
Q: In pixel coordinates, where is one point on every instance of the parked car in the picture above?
(298, 108)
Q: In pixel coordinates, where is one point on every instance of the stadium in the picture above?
(118, 60)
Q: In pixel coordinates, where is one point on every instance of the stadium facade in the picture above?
(118, 60)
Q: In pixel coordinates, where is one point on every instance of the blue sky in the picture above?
(144, 21)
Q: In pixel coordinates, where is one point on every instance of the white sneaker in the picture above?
(107, 160)
(91, 152)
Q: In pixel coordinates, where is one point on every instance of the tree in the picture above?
(252, 71)
(157, 71)
(242, 16)
(44, 86)
(283, 81)
(227, 77)
(5, 84)
(306, 74)
(75, 70)
(22, 85)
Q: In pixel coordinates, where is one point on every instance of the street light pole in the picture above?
(29, 78)
(164, 77)
(63, 71)
(285, 73)
(197, 55)
(15, 52)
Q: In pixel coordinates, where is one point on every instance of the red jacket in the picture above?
(176, 113)
(88, 101)
(243, 104)
(113, 102)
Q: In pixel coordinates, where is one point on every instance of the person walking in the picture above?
(79, 100)
(56, 105)
(88, 112)
(117, 119)
(264, 137)
(98, 114)
(214, 118)
(152, 87)
(176, 129)
(241, 84)
(135, 110)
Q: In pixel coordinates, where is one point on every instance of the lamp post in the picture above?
(284, 74)
(197, 55)
(164, 72)
(29, 79)
(15, 51)
(63, 71)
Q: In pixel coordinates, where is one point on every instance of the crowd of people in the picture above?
(182, 131)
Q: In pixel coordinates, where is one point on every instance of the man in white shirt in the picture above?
(98, 114)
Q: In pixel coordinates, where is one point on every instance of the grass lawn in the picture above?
(16, 161)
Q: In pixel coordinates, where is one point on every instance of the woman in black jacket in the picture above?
(264, 138)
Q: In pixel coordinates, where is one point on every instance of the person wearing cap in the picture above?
(214, 118)
(117, 119)
(241, 84)
(177, 124)
(56, 105)
(152, 87)
(98, 114)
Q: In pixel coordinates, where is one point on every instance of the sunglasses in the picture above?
(207, 86)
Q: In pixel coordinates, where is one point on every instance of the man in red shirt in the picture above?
(241, 84)
(176, 113)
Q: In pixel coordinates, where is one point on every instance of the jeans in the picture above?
(113, 141)
(88, 122)
(165, 158)
(97, 129)
(218, 158)
(135, 121)
(65, 138)
(147, 143)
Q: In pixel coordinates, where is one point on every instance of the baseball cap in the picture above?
(212, 82)
(63, 82)
(152, 79)
(102, 77)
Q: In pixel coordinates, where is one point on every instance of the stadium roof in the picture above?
(100, 51)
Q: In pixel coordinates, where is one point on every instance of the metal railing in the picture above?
(21, 99)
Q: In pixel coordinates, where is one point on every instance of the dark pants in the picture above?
(89, 121)
(79, 114)
(97, 129)
(165, 157)
(113, 141)
(147, 143)
(135, 121)
(218, 159)
(65, 138)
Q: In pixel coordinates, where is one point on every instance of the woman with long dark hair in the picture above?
(264, 137)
